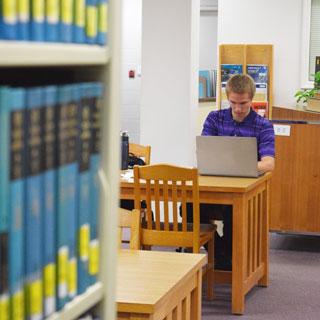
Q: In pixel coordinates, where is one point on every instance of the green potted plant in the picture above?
(304, 95)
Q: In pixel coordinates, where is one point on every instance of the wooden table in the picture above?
(159, 285)
(250, 255)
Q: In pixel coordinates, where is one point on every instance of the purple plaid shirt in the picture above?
(221, 123)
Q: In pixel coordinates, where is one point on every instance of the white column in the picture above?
(169, 83)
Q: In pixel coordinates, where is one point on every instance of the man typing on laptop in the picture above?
(239, 120)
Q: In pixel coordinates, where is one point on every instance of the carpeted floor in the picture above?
(294, 290)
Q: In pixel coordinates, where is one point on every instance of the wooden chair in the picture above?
(130, 219)
(167, 186)
(141, 151)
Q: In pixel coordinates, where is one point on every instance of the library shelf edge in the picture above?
(80, 304)
(24, 54)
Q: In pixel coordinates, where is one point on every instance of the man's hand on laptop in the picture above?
(266, 164)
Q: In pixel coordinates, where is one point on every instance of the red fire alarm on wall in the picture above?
(131, 74)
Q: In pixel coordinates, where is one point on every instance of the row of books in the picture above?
(77, 21)
(49, 196)
(259, 73)
(207, 84)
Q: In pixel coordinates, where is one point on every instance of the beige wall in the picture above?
(203, 109)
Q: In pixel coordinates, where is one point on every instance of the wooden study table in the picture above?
(250, 255)
(159, 285)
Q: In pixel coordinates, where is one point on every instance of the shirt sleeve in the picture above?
(266, 141)
(209, 126)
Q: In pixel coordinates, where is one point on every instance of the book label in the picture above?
(9, 11)
(80, 6)
(91, 21)
(103, 17)
(72, 277)
(94, 257)
(17, 308)
(38, 10)
(84, 239)
(63, 256)
(35, 297)
(66, 11)
(23, 10)
(52, 9)
(4, 307)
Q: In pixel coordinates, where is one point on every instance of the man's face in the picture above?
(240, 104)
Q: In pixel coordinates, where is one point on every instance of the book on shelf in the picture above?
(91, 21)
(50, 96)
(95, 160)
(17, 201)
(33, 209)
(228, 70)
(79, 33)
(52, 20)
(102, 37)
(37, 20)
(66, 20)
(84, 205)
(207, 83)
(8, 19)
(4, 216)
(23, 32)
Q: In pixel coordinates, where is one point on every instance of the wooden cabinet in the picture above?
(245, 54)
(295, 197)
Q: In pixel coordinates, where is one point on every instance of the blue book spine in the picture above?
(4, 205)
(52, 16)
(23, 20)
(34, 200)
(84, 187)
(49, 210)
(91, 21)
(79, 21)
(95, 160)
(17, 201)
(72, 146)
(66, 20)
(102, 37)
(62, 224)
(8, 19)
(37, 21)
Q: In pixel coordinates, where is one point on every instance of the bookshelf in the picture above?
(84, 63)
(245, 54)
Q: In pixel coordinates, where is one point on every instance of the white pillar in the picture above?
(169, 83)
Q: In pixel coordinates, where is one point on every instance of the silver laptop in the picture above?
(227, 156)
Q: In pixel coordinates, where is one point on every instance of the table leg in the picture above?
(238, 254)
(196, 298)
(264, 281)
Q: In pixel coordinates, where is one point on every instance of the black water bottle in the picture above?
(124, 150)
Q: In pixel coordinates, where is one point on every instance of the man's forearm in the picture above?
(266, 164)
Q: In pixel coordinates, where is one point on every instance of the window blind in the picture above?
(314, 36)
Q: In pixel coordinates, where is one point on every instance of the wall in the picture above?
(272, 21)
(131, 59)
(169, 88)
(208, 40)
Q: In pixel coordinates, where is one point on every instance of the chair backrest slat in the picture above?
(184, 205)
(157, 203)
(129, 219)
(148, 203)
(141, 151)
(174, 206)
(166, 205)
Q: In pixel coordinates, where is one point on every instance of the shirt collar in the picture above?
(249, 118)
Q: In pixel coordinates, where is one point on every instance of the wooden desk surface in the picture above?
(145, 277)
(219, 184)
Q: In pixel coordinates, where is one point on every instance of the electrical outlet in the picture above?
(281, 130)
